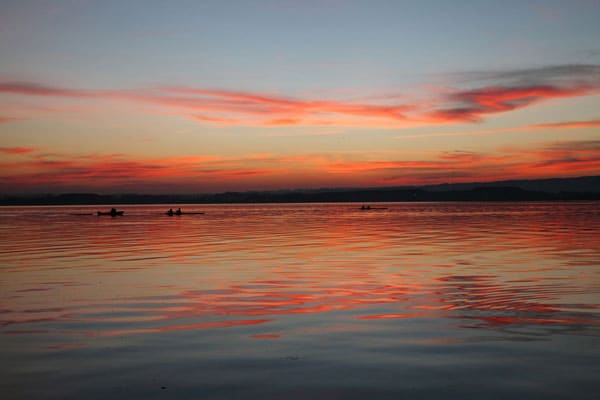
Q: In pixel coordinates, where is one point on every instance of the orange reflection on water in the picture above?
(471, 265)
(185, 327)
(266, 336)
(387, 316)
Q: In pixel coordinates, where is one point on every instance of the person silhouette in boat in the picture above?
(170, 212)
(178, 212)
(113, 211)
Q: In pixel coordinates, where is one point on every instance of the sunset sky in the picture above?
(211, 96)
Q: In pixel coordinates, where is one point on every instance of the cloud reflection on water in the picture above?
(484, 266)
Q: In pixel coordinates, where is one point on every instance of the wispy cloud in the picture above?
(530, 127)
(16, 150)
(473, 105)
(269, 110)
(571, 157)
(494, 92)
(474, 98)
(566, 158)
(567, 125)
(115, 172)
(36, 89)
(563, 74)
(119, 172)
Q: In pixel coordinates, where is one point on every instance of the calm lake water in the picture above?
(416, 301)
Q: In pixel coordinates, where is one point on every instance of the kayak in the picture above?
(183, 213)
(111, 213)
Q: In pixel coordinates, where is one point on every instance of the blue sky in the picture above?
(287, 62)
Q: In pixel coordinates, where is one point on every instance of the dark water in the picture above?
(417, 301)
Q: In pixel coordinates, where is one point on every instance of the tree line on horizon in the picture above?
(581, 188)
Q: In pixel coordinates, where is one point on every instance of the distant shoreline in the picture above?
(557, 189)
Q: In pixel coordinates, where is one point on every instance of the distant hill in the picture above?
(584, 184)
(581, 188)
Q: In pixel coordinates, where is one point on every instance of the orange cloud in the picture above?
(266, 336)
(473, 105)
(215, 120)
(268, 110)
(575, 157)
(558, 159)
(187, 174)
(16, 150)
(498, 93)
(118, 173)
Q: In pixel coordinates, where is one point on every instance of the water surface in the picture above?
(416, 300)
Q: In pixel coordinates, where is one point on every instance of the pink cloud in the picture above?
(100, 172)
(494, 93)
(473, 105)
(113, 172)
(16, 150)
(266, 336)
(558, 159)
(216, 120)
(267, 110)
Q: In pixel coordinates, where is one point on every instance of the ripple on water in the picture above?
(415, 287)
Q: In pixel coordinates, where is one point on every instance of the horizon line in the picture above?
(304, 189)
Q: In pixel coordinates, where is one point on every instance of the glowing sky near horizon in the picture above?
(209, 96)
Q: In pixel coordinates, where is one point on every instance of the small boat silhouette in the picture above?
(113, 212)
(367, 208)
(179, 212)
